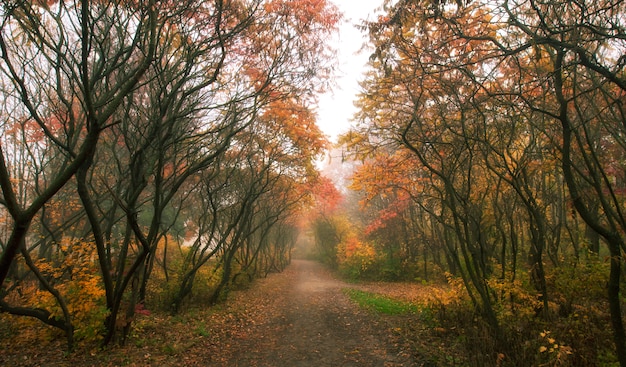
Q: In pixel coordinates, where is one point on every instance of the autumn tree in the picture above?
(328, 226)
(273, 151)
(273, 163)
(204, 97)
(62, 75)
(290, 141)
(432, 126)
(389, 187)
(519, 96)
(172, 128)
(146, 102)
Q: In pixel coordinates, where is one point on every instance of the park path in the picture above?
(301, 317)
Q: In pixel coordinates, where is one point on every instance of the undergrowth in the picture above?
(444, 327)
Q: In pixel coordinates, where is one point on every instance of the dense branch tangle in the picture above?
(522, 96)
(141, 108)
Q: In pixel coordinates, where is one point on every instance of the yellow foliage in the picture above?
(516, 300)
(356, 257)
(75, 276)
(555, 353)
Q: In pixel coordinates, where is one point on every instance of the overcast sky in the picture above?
(336, 108)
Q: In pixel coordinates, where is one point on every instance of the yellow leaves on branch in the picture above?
(74, 273)
(294, 125)
(556, 353)
(355, 253)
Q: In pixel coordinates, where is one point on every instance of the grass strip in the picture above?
(380, 303)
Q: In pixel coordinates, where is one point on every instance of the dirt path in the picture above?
(302, 318)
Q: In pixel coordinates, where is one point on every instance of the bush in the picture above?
(357, 259)
(581, 337)
(74, 274)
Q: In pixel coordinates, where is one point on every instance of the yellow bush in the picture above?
(74, 273)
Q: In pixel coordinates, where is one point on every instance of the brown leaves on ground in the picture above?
(299, 317)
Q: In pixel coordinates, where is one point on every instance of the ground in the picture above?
(312, 322)
(300, 317)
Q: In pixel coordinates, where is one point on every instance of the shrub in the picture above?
(356, 259)
(74, 273)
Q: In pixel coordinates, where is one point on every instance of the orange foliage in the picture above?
(305, 12)
(295, 125)
(326, 196)
(75, 274)
(355, 256)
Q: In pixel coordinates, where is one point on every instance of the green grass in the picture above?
(202, 330)
(379, 303)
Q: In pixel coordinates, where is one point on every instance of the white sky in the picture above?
(336, 107)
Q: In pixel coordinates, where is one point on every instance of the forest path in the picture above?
(301, 317)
